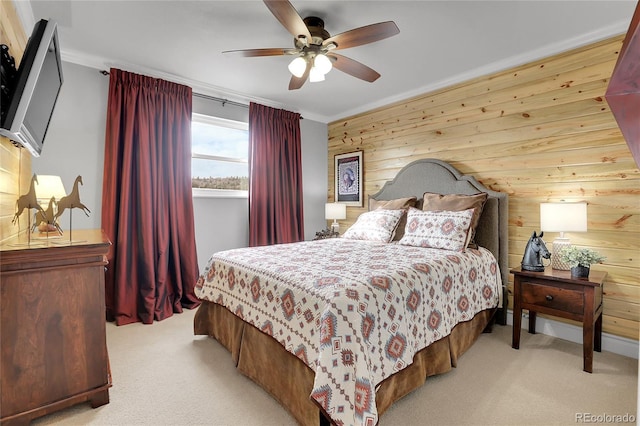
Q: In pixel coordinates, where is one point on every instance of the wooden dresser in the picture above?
(52, 325)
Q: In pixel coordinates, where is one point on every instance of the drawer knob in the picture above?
(549, 297)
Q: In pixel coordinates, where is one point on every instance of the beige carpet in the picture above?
(163, 375)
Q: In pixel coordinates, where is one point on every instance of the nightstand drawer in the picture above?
(553, 298)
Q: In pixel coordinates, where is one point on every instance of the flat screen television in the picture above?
(37, 85)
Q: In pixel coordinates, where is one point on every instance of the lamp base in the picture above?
(558, 244)
(335, 226)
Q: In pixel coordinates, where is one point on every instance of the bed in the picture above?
(339, 329)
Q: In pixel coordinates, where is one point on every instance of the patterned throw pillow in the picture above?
(398, 203)
(446, 230)
(458, 202)
(377, 225)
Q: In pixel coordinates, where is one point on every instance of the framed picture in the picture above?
(348, 177)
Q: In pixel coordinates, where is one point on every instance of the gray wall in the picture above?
(75, 146)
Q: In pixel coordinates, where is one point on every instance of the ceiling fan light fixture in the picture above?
(303, 40)
(322, 64)
(314, 45)
(298, 66)
(315, 75)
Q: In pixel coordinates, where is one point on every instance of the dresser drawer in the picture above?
(552, 297)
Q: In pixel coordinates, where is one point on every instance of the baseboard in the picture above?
(572, 333)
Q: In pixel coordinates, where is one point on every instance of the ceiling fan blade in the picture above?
(288, 17)
(353, 67)
(276, 51)
(363, 35)
(297, 82)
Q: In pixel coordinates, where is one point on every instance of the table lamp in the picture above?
(335, 211)
(47, 188)
(562, 217)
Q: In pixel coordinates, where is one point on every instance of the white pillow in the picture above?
(446, 230)
(376, 225)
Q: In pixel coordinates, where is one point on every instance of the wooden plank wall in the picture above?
(540, 132)
(15, 163)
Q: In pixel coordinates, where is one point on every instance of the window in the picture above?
(219, 157)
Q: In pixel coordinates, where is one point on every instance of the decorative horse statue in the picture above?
(71, 201)
(28, 200)
(534, 252)
(47, 217)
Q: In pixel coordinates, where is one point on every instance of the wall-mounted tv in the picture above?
(37, 85)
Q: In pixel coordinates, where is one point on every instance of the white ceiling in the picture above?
(440, 43)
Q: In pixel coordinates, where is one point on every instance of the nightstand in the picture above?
(555, 292)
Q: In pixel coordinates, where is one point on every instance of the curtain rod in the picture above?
(221, 100)
(200, 95)
(212, 98)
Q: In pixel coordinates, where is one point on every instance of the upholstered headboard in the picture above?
(432, 175)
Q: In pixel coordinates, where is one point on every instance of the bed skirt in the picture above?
(290, 381)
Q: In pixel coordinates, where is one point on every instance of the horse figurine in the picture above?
(71, 201)
(534, 252)
(47, 217)
(28, 200)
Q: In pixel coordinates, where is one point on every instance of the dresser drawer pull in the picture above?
(549, 297)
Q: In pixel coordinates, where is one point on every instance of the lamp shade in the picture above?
(315, 75)
(322, 63)
(335, 211)
(298, 66)
(49, 186)
(563, 217)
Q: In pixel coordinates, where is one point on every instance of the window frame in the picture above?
(212, 192)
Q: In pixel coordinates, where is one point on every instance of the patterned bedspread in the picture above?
(355, 312)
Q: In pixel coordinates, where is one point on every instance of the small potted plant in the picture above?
(580, 260)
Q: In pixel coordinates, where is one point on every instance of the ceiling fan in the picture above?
(314, 46)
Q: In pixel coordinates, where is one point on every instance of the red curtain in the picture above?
(147, 210)
(275, 170)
